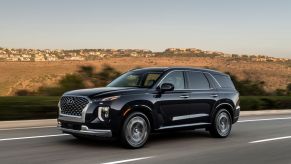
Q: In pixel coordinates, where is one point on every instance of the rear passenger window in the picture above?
(224, 81)
(197, 80)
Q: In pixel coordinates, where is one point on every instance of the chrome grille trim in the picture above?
(73, 106)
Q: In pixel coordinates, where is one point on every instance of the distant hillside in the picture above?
(96, 54)
(31, 75)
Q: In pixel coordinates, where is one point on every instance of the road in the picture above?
(259, 139)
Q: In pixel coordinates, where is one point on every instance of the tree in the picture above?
(106, 75)
(248, 87)
(23, 92)
(86, 71)
(70, 82)
(91, 78)
(67, 83)
(85, 77)
(280, 92)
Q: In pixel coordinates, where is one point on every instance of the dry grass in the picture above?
(31, 75)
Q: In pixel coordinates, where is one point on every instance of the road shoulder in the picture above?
(53, 122)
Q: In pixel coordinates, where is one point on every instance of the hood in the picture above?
(104, 90)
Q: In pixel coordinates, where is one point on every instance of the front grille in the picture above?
(71, 105)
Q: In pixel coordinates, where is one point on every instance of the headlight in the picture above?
(110, 98)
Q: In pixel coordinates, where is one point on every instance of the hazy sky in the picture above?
(234, 26)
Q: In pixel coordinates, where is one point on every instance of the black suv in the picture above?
(148, 100)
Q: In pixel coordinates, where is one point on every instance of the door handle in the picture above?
(214, 95)
(184, 96)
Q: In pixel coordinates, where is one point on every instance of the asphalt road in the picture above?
(264, 139)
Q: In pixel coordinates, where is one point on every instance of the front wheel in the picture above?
(221, 125)
(135, 131)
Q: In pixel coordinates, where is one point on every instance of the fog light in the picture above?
(59, 123)
(103, 112)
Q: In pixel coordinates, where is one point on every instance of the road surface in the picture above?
(259, 140)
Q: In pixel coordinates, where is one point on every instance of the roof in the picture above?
(163, 69)
(151, 69)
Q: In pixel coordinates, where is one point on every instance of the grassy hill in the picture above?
(31, 75)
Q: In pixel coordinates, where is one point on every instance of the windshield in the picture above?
(136, 79)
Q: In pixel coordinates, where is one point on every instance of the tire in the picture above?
(221, 125)
(135, 130)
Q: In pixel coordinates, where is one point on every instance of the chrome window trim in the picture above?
(158, 85)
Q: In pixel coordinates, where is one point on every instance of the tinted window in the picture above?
(197, 80)
(151, 79)
(224, 81)
(176, 78)
(135, 79)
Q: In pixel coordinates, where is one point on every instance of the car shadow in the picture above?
(91, 142)
(178, 135)
(161, 137)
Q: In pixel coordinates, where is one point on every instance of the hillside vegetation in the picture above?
(33, 75)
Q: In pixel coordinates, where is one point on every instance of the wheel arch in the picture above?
(223, 104)
(142, 106)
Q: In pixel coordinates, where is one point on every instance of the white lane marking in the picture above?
(128, 160)
(266, 119)
(40, 127)
(33, 127)
(271, 139)
(32, 137)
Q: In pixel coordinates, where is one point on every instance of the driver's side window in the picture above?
(176, 78)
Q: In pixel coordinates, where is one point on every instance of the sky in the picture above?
(231, 26)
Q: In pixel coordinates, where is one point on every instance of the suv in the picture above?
(143, 101)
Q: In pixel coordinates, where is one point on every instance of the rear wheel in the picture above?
(135, 130)
(221, 125)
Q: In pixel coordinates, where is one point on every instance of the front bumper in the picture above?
(91, 122)
(86, 131)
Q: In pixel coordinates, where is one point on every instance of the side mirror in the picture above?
(167, 87)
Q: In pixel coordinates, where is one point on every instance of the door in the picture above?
(171, 104)
(203, 97)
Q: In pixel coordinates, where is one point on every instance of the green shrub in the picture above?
(43, 107)
(85, 77)
(265, 102)
(249, 104)
(28, 107)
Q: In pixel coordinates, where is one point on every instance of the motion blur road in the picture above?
(260, 139)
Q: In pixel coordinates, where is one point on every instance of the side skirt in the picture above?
(183, 126)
